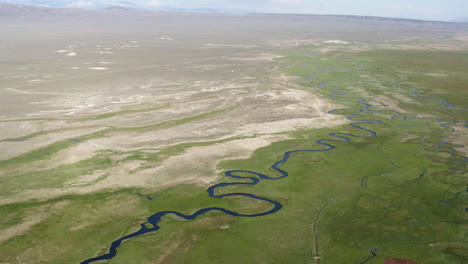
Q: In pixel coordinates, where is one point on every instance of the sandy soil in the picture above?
(263, 112)
(216, 81)
(211, 88)
(16, 148)
(202, 161)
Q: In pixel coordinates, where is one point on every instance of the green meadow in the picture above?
(400, 194)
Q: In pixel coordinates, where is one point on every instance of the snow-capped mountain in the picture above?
(82, 4)
(51, 3)
(149, 5)
(93, 4)
(126, 5)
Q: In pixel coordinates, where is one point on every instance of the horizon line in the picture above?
(225, 11)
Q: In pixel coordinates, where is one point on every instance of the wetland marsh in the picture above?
(262, 139)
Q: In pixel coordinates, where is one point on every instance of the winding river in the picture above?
(254, 177)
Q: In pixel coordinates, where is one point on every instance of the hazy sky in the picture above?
(419, 9)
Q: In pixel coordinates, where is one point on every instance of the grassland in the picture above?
(400, 194)
(390, 194)
(373, 198)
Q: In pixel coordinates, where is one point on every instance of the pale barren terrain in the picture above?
(128, 106)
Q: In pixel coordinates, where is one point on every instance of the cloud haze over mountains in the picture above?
(446, 10)
(92, 4)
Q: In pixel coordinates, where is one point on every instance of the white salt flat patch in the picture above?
(36, 80)
(164, 38)
(105, 62)
(72, 54)
(335, 41)
(62, 51)
(105, 52)
(97, 68)
(75, 68)
(229, 45)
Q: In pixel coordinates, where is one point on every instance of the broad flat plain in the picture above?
(108, 117)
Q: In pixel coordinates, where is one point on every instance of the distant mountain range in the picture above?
(124, 5)
(108, 4)
(77, 4)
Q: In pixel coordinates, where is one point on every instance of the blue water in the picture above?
(325, 145)
(373, 255)
(147, 197)
(253, 178)
(422, 174)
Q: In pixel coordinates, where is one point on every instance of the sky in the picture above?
(444, 10)
(418, 9)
